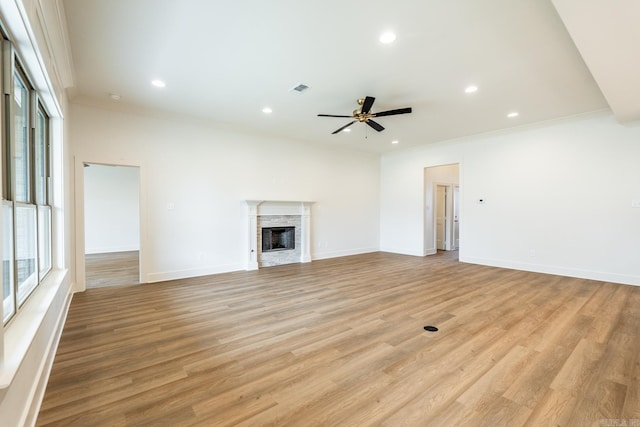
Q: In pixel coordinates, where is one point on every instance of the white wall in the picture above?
(111, 208)
(194, 178)
(558, 198)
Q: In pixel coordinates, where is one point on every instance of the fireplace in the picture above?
(288, 239)
(278, 238)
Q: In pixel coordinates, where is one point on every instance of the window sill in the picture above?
(22, 330)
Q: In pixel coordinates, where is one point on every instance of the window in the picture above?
(41, 157)
(25, 250)
(21, 152)
(41, 181)
(8, 300)
(26, 210)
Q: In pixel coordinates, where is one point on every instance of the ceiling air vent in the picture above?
(300, 88)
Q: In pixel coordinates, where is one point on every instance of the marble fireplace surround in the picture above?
(258, 208)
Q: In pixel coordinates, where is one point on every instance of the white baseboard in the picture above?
(602, 276)
(402, 251)
(348, 252)
(184, 274)
(195, 272)
(111, 249)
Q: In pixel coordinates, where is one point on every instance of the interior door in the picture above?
(441, 217)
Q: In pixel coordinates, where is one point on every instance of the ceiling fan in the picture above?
(364, 114)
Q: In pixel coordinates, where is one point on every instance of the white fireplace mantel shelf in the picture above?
(278, 207)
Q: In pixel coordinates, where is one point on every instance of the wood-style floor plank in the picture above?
(112, 269)
(341, 342)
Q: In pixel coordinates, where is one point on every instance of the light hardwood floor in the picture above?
(112, 269)
(340, 342)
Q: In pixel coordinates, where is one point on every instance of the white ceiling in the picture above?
(224, 61)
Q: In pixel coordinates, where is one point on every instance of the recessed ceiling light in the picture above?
(471, 89)
(387, 37)
(158, 83)
(346, 130)
(395, 141)
(513, 114)
(267, 110)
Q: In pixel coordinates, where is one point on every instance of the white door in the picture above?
(441, 217)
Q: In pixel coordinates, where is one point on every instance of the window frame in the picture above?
(35, 254)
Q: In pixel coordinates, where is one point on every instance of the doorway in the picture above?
(111, 225)
(442, 208)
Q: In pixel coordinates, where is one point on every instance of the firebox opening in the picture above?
(278, 238)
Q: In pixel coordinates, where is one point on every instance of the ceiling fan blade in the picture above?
(377, 126)
(367, 104)
(343, 127)
(331, 115)
(392, 112)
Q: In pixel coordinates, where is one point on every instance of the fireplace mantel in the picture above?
(278, 207)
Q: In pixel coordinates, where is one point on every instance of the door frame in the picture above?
(456, 217)
(78, 253)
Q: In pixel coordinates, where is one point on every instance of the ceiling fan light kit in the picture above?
(364, 115)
